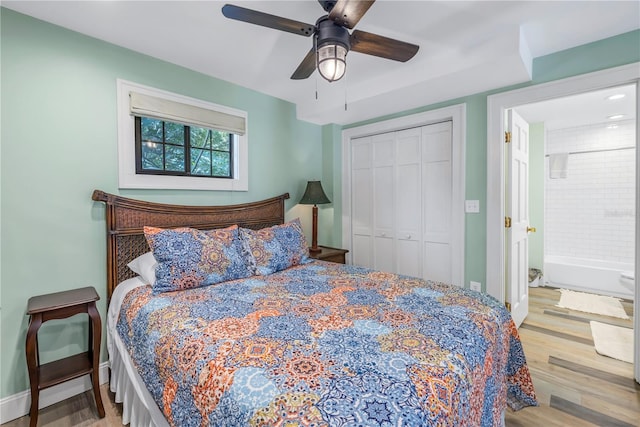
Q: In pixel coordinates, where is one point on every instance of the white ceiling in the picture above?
(583, 109)
(466, 47)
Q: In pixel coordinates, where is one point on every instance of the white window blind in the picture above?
(164, 109)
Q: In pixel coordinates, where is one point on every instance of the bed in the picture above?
(310, 343)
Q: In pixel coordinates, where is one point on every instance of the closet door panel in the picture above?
(408, 184)
(383, 184)
(383, 212)
(437, 262)
(361, 250)
(437, 192)
(437, 206)
(408, 202)
(384, 254)
(361, 202)
(436, 142)
(383, 202)
(408, 254)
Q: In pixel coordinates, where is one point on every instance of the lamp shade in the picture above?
(332, 61)
(314, 194)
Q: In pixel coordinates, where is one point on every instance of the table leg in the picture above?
(32, 364)
(96, 330)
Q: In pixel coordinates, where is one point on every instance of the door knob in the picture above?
(531, 229)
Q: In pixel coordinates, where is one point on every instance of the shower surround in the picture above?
(590, 215)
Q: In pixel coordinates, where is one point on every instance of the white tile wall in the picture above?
(591, 213)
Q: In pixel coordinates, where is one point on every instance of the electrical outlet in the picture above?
(475, 286)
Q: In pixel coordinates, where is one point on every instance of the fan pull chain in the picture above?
(345, 93)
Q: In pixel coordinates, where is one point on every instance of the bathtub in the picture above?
(587, 275)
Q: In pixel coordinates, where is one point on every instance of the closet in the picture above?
(401, 198)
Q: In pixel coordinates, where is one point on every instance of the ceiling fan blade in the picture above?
(306, 67)
(270, 21)
(384, 47)
(347, 13)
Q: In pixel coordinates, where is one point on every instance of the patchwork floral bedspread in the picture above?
(326, 344)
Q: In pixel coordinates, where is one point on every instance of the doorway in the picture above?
(497, 105)
(582, 190)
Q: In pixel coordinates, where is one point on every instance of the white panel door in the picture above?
(437, 198)
(408, 203)
(517, 292)
(362, 202)
(383, 201)
(401, 197)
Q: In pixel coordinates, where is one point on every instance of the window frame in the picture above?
(127, 176)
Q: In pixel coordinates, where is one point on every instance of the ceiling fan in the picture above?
(331, 38)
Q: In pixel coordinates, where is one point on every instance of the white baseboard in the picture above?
(17, 406)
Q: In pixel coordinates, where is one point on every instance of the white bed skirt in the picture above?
(138, 407)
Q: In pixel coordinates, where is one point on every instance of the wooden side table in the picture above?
(61, 305)
(330, 254)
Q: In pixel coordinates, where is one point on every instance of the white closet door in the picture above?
(401, 195)
(362, 202)
(408, 206)
(437, 192)
(383, 202)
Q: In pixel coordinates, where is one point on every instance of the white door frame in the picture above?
(496, 105)
(455, 113)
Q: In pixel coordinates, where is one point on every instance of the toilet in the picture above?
(627, 280)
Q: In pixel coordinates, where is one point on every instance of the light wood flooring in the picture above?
(574, 385)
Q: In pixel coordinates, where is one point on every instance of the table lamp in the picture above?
(314, 195)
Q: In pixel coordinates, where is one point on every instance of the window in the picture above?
(171, 141)
(167, 148)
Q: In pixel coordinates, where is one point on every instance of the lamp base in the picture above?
(314, 249)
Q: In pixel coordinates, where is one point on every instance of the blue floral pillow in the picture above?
(276, 248)
(190, 258)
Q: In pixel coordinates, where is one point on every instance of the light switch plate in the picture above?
(472, 206)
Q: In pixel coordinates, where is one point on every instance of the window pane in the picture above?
(174, 133)
(221, 164)
(174, 159)
(200, 162)
(221, 140)
(200, 137)
(151, 129)
(152, 156)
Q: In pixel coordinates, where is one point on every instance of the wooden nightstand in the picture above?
(61, 305)
(330, 254)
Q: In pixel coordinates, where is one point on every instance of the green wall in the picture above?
(536, 194)
(59, 144)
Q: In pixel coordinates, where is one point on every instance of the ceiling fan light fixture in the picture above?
(332, 45)
(332, 61)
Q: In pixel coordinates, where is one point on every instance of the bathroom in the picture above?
(582, 191)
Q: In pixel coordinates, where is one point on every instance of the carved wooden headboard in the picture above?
(126, 219)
